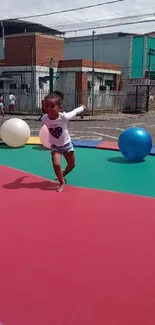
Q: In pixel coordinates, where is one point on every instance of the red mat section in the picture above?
(108, 145)
(81, 257)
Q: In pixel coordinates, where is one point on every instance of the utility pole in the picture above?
(32, 88)
(51, 72)
(149, 63)
(2, 55)
(32, 77)
(93, 70)
(151, 52)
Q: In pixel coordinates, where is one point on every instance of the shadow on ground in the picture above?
(42, 185)
(122, 160)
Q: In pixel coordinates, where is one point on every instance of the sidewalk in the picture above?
(103, 117)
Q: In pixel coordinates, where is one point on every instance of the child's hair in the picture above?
(58, 95)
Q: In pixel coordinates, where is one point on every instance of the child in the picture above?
(1, 105)
(56, 92)
(60, 140)
(12, 103)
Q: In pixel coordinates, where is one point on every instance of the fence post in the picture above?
(93, 70)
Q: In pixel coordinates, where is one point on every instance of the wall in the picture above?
(137, 60)
(42, 72)
(100, 97)
(81, 86)
(73, 84)
(18, 50)
(21, 77)
(1, 48)
(80, 64)
(150, 43)
(113, 49)
(42, 88)
(140, 58)
(66, 83)
(48, 47)
(75, 87)
(37, 48)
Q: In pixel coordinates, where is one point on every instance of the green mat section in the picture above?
(100, 169)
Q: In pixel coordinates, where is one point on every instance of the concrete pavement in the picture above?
(107, 127)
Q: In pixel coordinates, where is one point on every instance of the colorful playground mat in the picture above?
(81, 257)
(109, 145)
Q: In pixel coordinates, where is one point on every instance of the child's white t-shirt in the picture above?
(58, 129)
(12, 99)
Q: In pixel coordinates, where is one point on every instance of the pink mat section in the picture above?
(81, 257)
(108, 145)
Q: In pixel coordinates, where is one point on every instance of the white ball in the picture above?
(15, 132)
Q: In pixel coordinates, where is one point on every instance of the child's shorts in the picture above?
(68, 147)
(11, 108)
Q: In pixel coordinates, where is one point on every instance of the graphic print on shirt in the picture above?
(56, 132)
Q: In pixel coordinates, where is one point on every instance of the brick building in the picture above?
(32, 48)
(25, 68)
(74, 78)
(28, 49)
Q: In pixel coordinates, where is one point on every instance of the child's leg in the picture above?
(56, 159)
(70, 159)
(2, 111)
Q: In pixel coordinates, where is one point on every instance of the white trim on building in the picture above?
(78, 69)
(86, 69)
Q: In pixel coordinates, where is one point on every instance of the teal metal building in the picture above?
(128, 50)
(139, 66)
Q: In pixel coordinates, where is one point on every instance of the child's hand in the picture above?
(83, 106)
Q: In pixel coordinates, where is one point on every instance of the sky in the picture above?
(18, 8)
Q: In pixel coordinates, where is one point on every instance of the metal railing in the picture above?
(103, 101)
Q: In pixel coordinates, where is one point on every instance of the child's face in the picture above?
(52, 108)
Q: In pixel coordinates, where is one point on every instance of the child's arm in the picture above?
(44, 118)
(68, 116)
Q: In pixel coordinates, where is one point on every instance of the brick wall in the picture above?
(48, 47)
(118, 82)
(88, 64)
(81, 85)
(18, 50)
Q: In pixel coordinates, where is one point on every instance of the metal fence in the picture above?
(105, 125)
(129, 101)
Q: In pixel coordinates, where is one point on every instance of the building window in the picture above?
(89, 85)
(25, 87)
(150, 75)
(110, 84)
(102, 88)
(1, 84)
(13, 86)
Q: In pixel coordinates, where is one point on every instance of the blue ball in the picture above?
(135, 144)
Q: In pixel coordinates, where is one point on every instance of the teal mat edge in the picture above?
(93, 144)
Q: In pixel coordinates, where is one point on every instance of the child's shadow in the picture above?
(43, 185)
